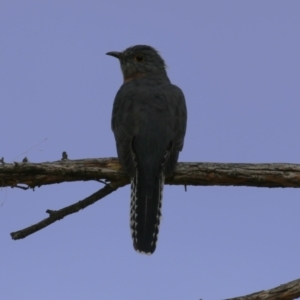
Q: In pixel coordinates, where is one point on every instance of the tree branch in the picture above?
(56, 215)
(205, 174)
(108, 169)
(287, 291)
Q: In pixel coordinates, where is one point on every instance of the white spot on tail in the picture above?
(133, 206)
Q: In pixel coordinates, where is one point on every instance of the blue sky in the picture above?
(238, 65)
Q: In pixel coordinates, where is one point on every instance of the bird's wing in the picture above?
(125, 126)
(177, 123)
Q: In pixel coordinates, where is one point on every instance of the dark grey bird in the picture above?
(149, 122)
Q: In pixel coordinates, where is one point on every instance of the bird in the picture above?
(149, 118)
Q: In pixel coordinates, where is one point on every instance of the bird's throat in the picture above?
(133, 76)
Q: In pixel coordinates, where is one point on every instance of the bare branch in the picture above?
(104, 170)
(56, 215)
(287, 291)
(208, 174)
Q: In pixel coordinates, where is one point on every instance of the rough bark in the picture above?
(205, 174)
(287, 291)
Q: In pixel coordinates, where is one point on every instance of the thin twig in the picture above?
(56, 215)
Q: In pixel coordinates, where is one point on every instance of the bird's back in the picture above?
(152, 112)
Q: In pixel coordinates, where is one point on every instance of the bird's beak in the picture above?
(115, 54)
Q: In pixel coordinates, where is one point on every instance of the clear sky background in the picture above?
(238, 64)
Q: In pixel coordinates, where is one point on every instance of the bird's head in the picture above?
(138, 61)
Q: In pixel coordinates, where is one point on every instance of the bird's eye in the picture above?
(139, 57)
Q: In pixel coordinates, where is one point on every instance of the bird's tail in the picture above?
(145, 209)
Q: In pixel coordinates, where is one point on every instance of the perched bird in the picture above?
(149, 122)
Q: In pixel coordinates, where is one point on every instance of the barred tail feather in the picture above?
(145, 209)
